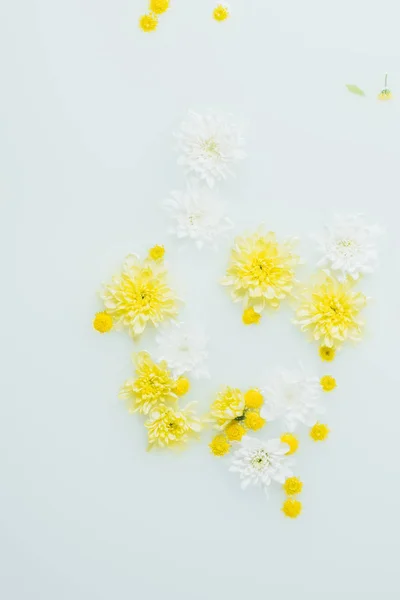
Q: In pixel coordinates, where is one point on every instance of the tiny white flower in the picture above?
(349, 247)
(197, 214)
(294, 397)
(184, 349)
(210, 145)
(260, 463)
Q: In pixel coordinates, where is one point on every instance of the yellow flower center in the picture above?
(182, 386)
(102, 322)
(210, 147)
(260, 460)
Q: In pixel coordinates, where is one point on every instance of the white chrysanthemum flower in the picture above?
(184, 350)
(260, 463)
(294, 397)
(198, 215)
(349, 247)
(210, 145)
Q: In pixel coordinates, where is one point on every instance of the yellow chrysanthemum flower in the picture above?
(328, 383)
(159, 6)
(235, 431)
(219, 445)
(221, 12)
(319, 432)
(182, 386)
(228, 405)
(139, 295)
(253, 399)
(250, 316)
(102, 322)
(261, 271)
(168, 427)
(291, 508)
(157, 252)
(148, 22)
(293, 486)
(254, 421)
(152, 386)
(327, 353)
(291, 440)
(330, 312)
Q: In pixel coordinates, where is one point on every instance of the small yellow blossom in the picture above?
(152, 386)
(291, 508)
(235, 431)
(148, 22)
(319, 432)
(328, 383)
(102, 322)
(219, 446)
(157, 252)
(159, 6)
(253, 420)
(293, 486)
(327, 353)
(228, 405)
(250, 316)
(221, 12)
(291, 440)
(253, 399)
(167, 427)
(385, 94)
(182, 386)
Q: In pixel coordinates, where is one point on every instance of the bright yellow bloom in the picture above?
(219, 446)
(253, 399)
(291, 508)
(235, 431)
(291, 441)
(319, 432)
(102, 322)
(152, 386)
(385, 94)
(221, 12)
(159, 6)
(139, 295)
(182, 386)
(327, 353)
(253, 420)
(148, 22)
(157, 252)
(261, 271)
(328, 383)
(250, 316)
(330, 312)
(293, 486)
(228, 405)
(167, 427)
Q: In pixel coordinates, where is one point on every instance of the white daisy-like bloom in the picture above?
(184, 349)
(197, 214)
(210, 145)
(349, 247)
(260, 463)
(294, 397)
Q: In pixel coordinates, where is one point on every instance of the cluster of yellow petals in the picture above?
(327, 353)
(102, 322)
(261, 272)
(293, 486)
(250, 316)
(328, 383)
(292, 508)
(149, 21)
(221, 12)
(235, 413)
(291, 440)
(330, 312)
(319, 432)
(157, 252)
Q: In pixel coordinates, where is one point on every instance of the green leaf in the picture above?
(354, 89)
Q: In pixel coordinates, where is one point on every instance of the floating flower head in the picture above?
(158, 7)
(220, 445)
(327, 353)
(139, 295)
(210, 145)
(319, 432)
(291, 440)
(348, 248)
(221, 12)
(328, 383)
(152, 386)
(291, 508)
(330, 312)
(198, 215)
(148, 22)
(250, 316)
(157, 252)
(102, 322)
(169, 427)
(294, 397)
(261, 271)
(184, 349)
(292, 486)
(228, 405)
(260, 463)
(385, 93)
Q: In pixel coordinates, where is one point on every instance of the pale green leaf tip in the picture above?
(354, 89)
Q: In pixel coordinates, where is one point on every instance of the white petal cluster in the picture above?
(184, 349)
